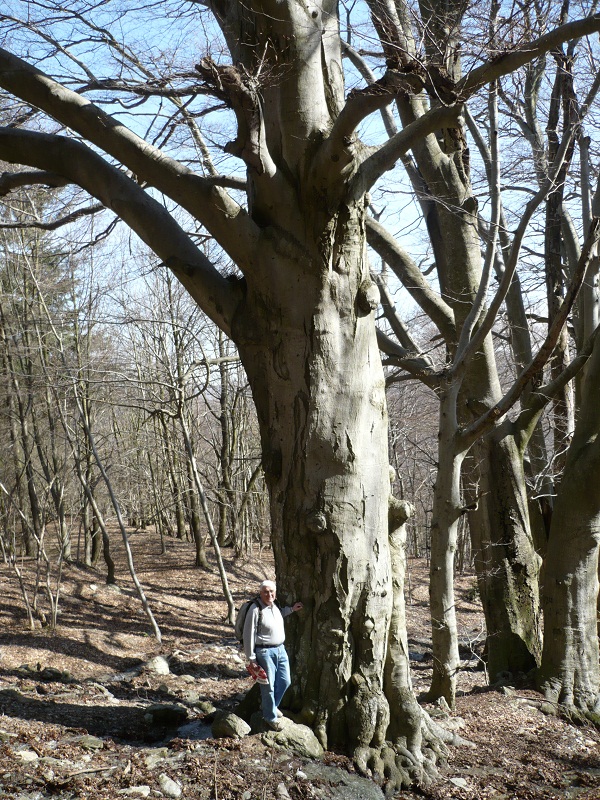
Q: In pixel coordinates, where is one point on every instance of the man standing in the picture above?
(264, 636)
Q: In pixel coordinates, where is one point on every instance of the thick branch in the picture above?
(418, 366)
(241, 91)
(396, 324)
(513, 60)
(9, 181)
(362, 102)
(225, 219)
(227, 182)
(144, 215)
(388, 154)
(369, 77)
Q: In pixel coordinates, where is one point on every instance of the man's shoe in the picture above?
(279, 713)
(275, 725)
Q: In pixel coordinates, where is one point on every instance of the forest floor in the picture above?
(75, 703)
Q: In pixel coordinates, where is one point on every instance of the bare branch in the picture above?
(9, 181)
(487, 420)
(539, 398)
(385, 157)
(520, 56)
(417, 365)
(55, 223)
(144, 215)
(468, 349)
(223, 217)
(446, 115)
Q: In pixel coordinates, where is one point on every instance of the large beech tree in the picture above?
(301, 306)
(570, 671)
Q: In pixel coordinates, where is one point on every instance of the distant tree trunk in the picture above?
(444, 534)
(101, 547)
(199, 489)
(505, 560)
(18, 461)
(52, 470)
(91, 529)
(226, 494)
(195, 518)
(96, 533)
(27, 447)
(174, 478)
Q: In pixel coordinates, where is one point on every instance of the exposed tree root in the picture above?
(577, 708)
(411, 760)
(395, 767)
(420, 743)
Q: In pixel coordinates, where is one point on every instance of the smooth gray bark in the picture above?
(570, 673)
(302, 312)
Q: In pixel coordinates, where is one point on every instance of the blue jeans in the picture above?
(274, 661)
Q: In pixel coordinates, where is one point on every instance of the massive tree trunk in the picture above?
(570, 674)
(306, 336)
(316, 376)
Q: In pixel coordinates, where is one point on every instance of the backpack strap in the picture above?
(259, 616)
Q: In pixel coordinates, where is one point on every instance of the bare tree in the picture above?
(300, 309)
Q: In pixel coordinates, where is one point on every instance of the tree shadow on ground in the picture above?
(128, 724)
(61, 645)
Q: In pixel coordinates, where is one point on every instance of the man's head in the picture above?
(268, 592)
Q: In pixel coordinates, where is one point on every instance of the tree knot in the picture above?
(316, 521)
(367, 297)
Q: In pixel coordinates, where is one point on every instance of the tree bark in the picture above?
(447, 509)
(321, 408)
(505, 560)
(316, 376)
(570, 674)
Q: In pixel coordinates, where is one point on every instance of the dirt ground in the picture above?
(75, 705)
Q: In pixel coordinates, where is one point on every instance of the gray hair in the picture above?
(268, 585)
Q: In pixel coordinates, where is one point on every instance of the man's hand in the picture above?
(256, 672)
(297, 606)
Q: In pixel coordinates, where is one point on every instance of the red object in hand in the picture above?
(257, 673)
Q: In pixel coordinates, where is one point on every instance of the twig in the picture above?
(215, 776)
(90, 771)
(269, 773)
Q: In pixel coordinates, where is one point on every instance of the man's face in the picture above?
(267, 595)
